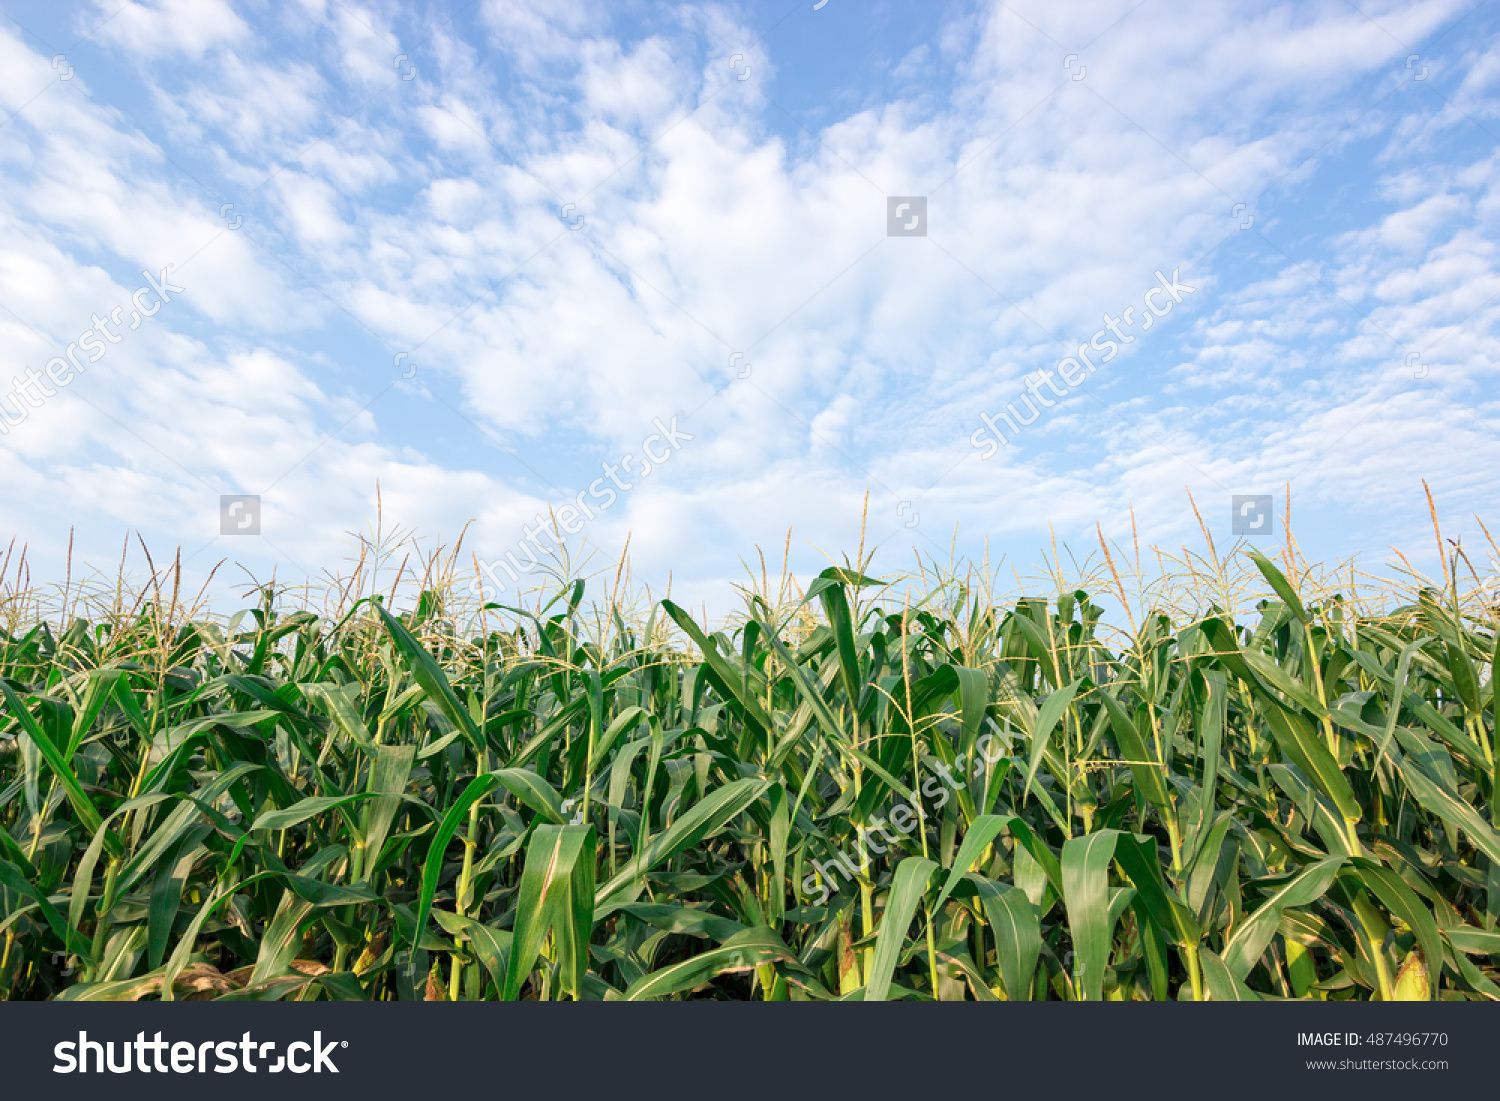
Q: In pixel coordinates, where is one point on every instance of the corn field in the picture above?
(860, 792)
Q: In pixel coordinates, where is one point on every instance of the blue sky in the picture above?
(481, 255)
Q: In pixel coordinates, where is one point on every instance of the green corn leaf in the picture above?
(907, 888)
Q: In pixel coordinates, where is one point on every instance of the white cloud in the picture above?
(709, 232)
(158, 27)
(313, 206)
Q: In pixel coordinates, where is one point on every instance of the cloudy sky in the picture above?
(700, 273)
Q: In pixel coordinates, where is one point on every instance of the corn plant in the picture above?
(862, 791)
